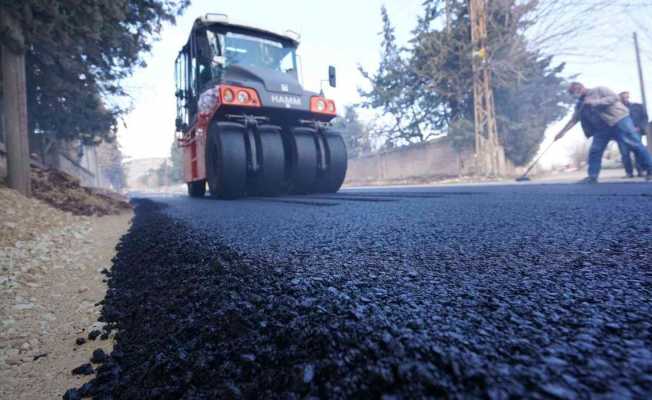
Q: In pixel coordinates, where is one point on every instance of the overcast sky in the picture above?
(344, 33)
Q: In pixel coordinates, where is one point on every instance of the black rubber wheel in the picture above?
(330, 180)
(226, 160)
(197, 188)
(303, 164)
(268, 181)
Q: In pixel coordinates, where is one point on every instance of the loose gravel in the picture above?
(50, 282)
(537, 291)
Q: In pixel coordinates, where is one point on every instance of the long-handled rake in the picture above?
(524, 177)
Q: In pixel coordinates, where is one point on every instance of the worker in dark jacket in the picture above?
(613, 112)
(594, 127)
(640, 119)
(591, 122)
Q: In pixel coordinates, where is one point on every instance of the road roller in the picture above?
(244, 122)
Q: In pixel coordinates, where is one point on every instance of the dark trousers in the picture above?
(627, 160)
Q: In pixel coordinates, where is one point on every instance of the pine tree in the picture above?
(408, 119)
(355, 133)
(77, 54)
(427, 88)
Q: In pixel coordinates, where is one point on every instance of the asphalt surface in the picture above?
(537, 291)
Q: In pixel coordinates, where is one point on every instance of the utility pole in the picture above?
(642, 84)
(448, 16)
(489, 154)
(14, 105)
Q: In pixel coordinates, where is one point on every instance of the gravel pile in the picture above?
(432, 295)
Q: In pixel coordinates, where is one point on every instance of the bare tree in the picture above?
(584, 29)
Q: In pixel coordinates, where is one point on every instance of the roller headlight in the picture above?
(243, 97)
(228, 95)
(321, 105)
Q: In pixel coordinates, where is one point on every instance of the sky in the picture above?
(345, 33)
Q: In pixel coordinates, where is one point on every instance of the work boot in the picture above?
(590, 180)
(628, 176)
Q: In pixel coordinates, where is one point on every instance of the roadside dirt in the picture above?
(51, 277)
(64, 192)
(21, 219)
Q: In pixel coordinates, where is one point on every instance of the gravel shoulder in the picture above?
(50, 282)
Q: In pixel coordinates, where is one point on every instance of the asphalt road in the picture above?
(527, 290)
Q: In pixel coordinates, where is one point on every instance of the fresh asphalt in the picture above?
(486, 291)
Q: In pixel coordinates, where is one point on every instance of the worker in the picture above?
(594, 126)
(639, 116)
(605, 136)
(607, 105)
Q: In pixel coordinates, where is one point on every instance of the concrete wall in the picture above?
(77, 160)
(87, 169)
(422, 162)
(86, 177)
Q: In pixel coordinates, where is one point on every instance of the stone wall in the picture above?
(418, 163)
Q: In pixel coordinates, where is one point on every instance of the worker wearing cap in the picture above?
(613, 112)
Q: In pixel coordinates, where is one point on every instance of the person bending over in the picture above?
(607, 105)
